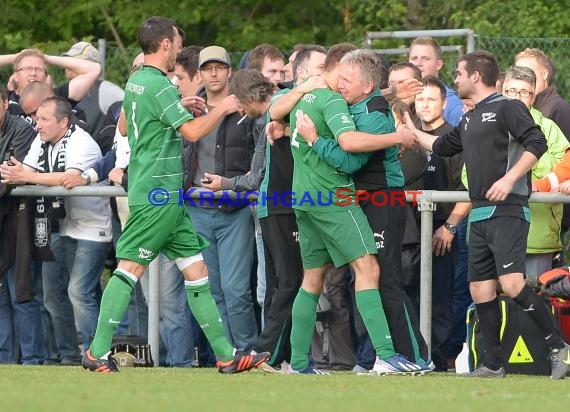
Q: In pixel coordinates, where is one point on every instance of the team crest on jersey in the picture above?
(345, 119)
(309, 98)
(135, 88)
(145, 254)
(180, 108)
(488, 117)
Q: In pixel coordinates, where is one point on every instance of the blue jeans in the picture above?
(175, 318)
(443, 272)
(261, 279)
(229, 258)
(461, 295)
(74, 277)
(538, 263)
(21, 323)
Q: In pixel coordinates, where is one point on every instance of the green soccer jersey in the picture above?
(319, 187)
(154, 114)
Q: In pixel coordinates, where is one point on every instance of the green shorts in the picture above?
(338, 237)
(153, 229)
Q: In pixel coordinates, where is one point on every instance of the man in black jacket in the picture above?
(20, 307)
(500, 143)
(442, 173)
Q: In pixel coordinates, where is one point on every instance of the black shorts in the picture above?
(497, 246)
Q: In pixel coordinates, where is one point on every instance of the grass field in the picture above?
(50, 388)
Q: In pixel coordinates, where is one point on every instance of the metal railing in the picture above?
(426, 205)
(469, 34)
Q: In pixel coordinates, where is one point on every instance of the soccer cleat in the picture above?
(309, 370)
(484, 372)
(98, 365)
(242, 362)
(560, 361)
(397, 365)
(426, 364)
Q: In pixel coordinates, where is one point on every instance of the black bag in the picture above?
(523, 349)
(131, 351)
(332, 346)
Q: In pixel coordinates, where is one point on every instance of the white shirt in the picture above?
(87, 217)
(123, 150)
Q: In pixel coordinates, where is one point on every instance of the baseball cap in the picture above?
(83, 50)
(214, 54)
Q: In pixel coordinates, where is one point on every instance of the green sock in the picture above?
(113, 306)
(206, 313)
(370, 307)
(304, 317)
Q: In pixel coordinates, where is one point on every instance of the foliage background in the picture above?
(239, 25)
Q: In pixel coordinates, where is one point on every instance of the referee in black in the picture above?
(500, 143)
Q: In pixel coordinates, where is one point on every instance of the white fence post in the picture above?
(426, 209)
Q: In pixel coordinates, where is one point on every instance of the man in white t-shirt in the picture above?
(81, 226)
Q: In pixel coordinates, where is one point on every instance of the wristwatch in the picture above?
(451, 228)
(87, 177)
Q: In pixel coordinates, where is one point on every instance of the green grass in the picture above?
(72, 389)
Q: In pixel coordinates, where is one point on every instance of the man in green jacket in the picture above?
(544, 232)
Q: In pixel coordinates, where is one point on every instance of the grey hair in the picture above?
(521, 73)
(369, 63)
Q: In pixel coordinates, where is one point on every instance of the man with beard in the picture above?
(156, 121)
(501, 143)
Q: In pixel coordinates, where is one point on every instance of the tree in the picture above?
(239, 25)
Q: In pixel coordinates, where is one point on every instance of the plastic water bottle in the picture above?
(462, 361)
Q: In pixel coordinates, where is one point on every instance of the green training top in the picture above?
(315, 182)
(371, 117)
(154, 114)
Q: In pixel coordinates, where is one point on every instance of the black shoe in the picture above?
(98, 365)
(484, 372)
(242, 362)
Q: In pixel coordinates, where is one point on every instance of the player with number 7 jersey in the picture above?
(156, 122)
(152, 105)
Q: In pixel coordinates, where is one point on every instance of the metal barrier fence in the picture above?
(505, 48)
(558, 49)
(427, 201)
